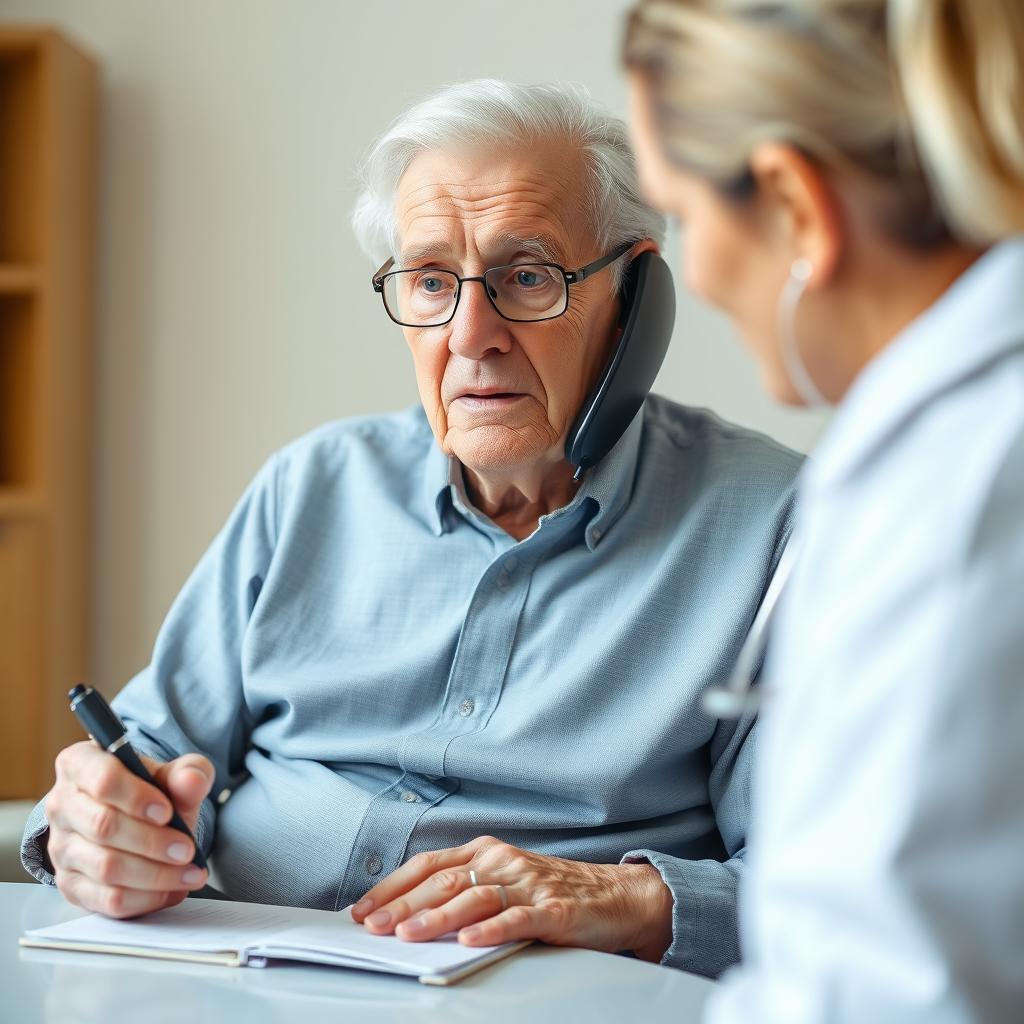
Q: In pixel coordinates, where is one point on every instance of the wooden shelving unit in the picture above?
(48, 98)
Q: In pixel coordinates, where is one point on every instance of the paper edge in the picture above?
(221, 959)
(456, 976)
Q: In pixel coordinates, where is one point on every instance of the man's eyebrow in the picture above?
(537, 247)
(424, 253)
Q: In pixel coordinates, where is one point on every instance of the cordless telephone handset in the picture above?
(648, 313)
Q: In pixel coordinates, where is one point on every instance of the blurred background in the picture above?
(233, 308)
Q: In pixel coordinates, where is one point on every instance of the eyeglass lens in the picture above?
(524, 291)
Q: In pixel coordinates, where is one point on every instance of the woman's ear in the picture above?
(801, 207)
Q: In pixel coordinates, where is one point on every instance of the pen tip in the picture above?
(76, 691)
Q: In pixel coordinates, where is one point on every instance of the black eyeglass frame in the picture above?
(569, 276)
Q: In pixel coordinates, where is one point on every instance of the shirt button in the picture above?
(510, 563)
(374, 865)
(597, 534)
(409, 796)
(502, 581)
(466, 708)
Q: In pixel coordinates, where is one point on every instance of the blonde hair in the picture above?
(925, 97)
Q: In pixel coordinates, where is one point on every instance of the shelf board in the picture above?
(19, 503)
(17, 39)
(19, 279)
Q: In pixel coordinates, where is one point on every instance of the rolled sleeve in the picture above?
(704, 924)
(33, 846)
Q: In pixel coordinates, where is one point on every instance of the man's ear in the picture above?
(803, 211)
(644, 245)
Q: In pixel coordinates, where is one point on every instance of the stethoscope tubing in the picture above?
(738, 697)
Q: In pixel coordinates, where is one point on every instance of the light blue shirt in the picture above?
(376, 669)
(886, 873)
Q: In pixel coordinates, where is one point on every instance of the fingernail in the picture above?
(178, 852)
(363, 907)
(470, 933)
(381, 919)
(414, 925)
(191, 875)
(155, 813)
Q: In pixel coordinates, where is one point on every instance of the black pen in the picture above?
(105, 728)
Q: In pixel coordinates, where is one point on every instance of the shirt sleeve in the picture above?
(705, 920)
(189, 699)
(705, 936)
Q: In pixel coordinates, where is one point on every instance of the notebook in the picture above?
(252, 935)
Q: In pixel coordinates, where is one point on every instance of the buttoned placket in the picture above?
(389, 817)
(478, 668)
(475, 683)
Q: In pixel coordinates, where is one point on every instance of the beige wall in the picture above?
(234, 307)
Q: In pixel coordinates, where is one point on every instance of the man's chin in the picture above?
(497, 447)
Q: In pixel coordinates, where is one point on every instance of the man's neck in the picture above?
(516, 502)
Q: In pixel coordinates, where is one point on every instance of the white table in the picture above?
(537, 986)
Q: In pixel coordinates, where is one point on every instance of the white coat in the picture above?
(886, 864)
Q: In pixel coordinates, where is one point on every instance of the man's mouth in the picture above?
(488, 395)
(486, 400)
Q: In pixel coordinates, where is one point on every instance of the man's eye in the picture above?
(433, 284)
(527, 278)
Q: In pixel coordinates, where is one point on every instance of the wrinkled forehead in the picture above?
(466, 204)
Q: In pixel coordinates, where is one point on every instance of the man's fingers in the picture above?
(434, 891)
(476, 903)
(188, 780)
(107, 826)
(116, 868)
(112, 901)
(408, 876)
(83, 766)
(515, 895)
(172, 899)
(512, 925)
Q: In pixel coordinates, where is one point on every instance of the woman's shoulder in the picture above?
(946, 488)
(964, 454)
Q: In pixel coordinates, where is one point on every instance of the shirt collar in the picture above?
(608, 485)
(977, 320)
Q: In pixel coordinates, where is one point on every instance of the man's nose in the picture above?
(477, 328)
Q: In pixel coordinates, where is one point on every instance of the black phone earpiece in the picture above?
(648, 314)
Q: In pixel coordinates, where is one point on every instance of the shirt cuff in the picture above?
(705, 932)
(33, 846)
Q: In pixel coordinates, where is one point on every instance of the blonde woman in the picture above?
(850, 174)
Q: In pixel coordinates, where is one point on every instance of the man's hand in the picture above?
(610, 907)
(109, 843)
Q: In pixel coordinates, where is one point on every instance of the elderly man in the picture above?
(440, 677)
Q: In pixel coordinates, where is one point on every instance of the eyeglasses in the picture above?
(520, 292)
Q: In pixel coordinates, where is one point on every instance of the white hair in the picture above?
(488, 112)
